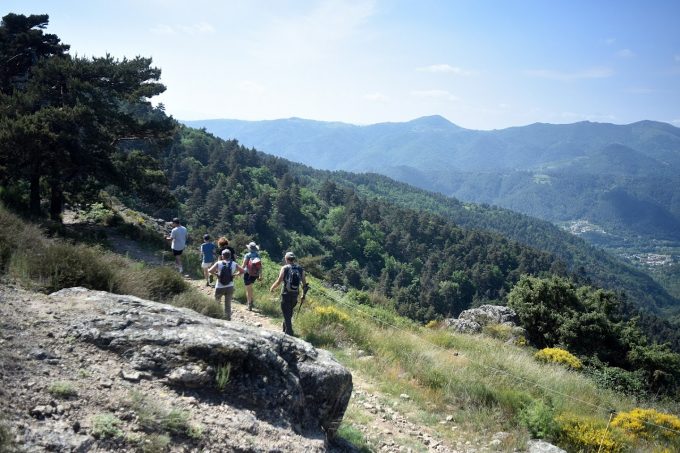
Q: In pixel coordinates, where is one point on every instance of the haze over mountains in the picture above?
(621, 179)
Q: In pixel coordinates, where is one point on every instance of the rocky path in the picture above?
(388, 427)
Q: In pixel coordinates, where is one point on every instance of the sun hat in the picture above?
(253, 245)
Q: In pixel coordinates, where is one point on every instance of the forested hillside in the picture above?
(621, 177)
(426, 264)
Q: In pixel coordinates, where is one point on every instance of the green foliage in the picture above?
(589, 321)
(63, 118)
(62, 389)
(106, 425)
(539, 418)
(6, 437)
(153, 416)
(222, 376)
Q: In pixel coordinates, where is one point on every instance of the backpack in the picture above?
(254, 266)
(293, 278)
(225, 277)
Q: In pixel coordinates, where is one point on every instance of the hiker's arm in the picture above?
(213, 269)
(278, 280)
(239, 269)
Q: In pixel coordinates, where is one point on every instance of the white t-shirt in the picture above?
(220, 264)
(179, 238)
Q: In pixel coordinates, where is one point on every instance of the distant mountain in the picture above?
(621, 177)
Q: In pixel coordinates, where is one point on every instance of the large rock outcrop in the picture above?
(270, 373)
(474, 320)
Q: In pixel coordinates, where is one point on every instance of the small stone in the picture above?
(132, 376)
(449, 418)
(404, 396)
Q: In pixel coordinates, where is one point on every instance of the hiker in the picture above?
(293, 278)
(207, 258)
(252, 263)
(223, 243)
(178, 236)
(225, 269)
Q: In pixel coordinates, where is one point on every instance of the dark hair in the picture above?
(176, 220)
(206, 237)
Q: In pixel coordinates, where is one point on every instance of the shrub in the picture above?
(324, 325)
(557, 355)
(163, 283)
(618, 379)
(199, 303)
(649, 424)
(154, 417)
(588, 434)
(62, 389)
(106, 425)
(539, 418)
(6, 438)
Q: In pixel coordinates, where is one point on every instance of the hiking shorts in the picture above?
(207, 265)
(177, 252)
(248, 280)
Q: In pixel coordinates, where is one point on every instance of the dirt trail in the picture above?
(386, 423)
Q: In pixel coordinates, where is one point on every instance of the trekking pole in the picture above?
(305, 288)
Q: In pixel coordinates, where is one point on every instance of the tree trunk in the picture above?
(56, 202)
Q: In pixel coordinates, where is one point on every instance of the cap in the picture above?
(175, 220)
(226, 252)
(290, 256)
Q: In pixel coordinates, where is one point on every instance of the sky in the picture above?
(482, 64)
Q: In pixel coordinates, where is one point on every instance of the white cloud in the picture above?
(163, 29)
(444, 68)
(676, 122)
(434, 94)
(625, 53)
(376, 97)
(592, 73)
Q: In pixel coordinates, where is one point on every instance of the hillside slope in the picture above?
(554, 172)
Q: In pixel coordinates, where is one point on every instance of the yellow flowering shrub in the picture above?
(588, 434)
(557, 355)
(330, 315)
(649, 424)
(433, 324)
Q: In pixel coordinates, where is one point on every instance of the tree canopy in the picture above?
(63, 119)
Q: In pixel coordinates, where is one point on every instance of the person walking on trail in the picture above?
(178, 236)
(207, 257)
(223, 243)
(225, 269)
(252, 263)
(293, 278)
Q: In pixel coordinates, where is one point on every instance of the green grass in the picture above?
(154, 417)
(62, 389)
